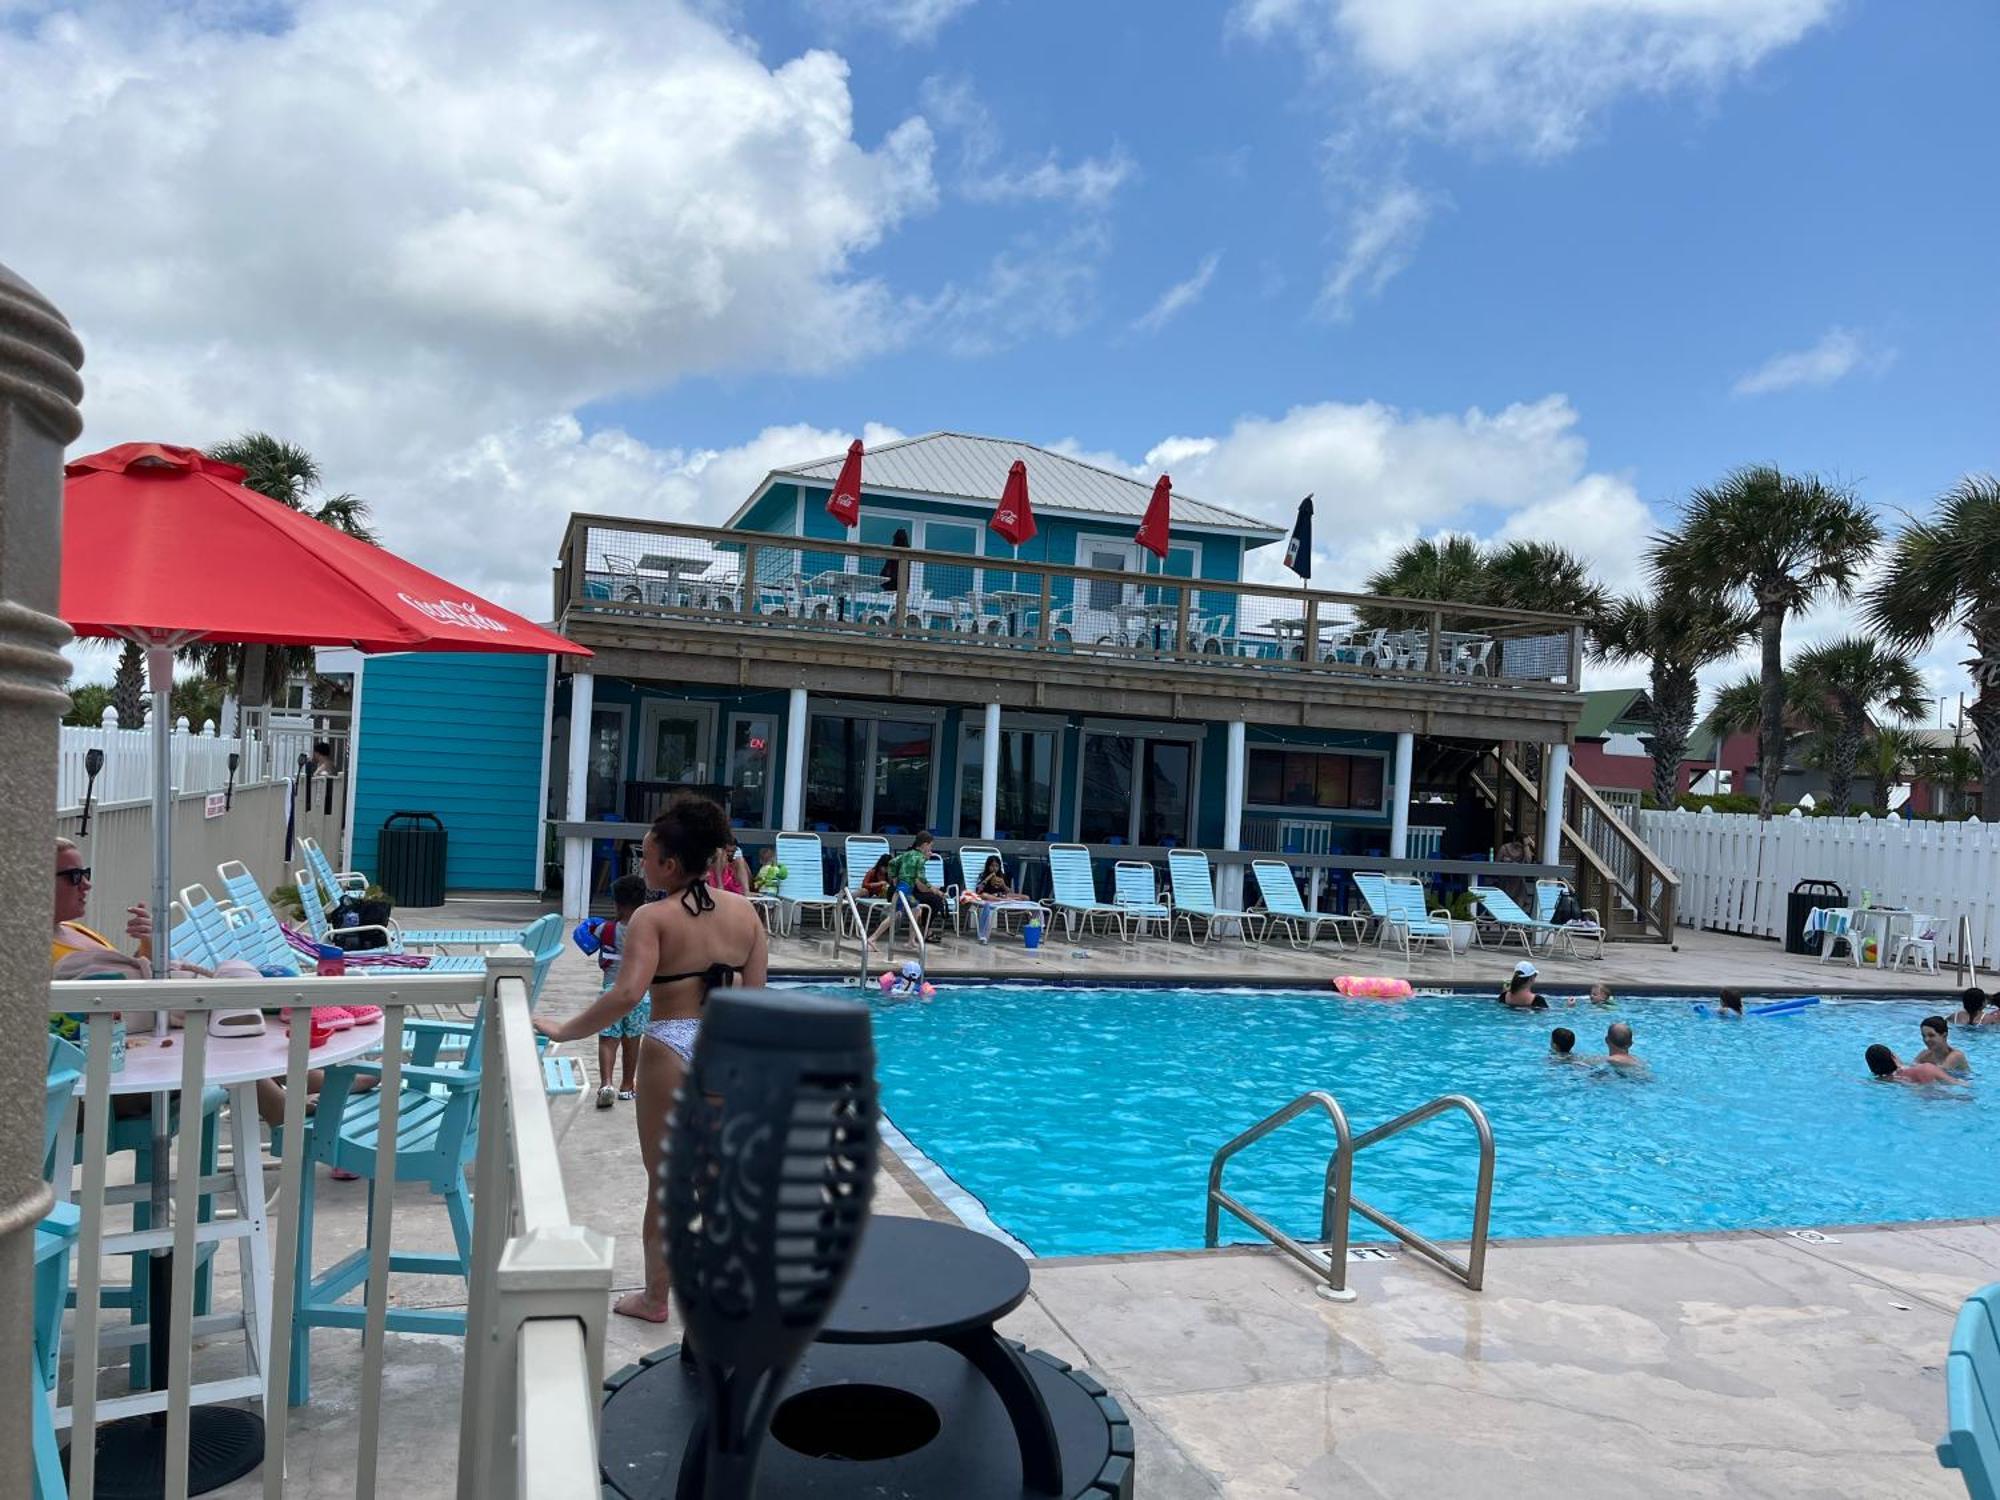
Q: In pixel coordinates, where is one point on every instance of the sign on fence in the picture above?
(215, 804)
(1736, 869)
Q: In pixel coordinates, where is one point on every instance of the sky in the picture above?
(1519, 268)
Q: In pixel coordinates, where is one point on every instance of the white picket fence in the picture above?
(1736, 869)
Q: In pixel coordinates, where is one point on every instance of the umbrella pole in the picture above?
(159, 1267)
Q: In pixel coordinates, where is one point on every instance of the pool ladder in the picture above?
(889, 947)
(1329, 1264)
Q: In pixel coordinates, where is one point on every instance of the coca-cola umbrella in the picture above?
(1014, 517)
(165, 547)
(1157, 528)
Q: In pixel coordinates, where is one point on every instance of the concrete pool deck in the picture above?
(1700, 1365)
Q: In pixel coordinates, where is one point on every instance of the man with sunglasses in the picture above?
(72, 896)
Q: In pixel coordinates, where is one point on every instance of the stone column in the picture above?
(39, 391)
(576, 851)
(1399, 808)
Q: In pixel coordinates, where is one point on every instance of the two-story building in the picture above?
(917, 671)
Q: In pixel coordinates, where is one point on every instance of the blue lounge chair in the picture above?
(332, 886)
(1972, 1396)
(1587, 927)
(1397, 904)
(1076, 893)
(1283, 907)
(55, 1235)
(1504, 910)
(261, 938)
(804, 886)
(1135, 885)
(1194, 898)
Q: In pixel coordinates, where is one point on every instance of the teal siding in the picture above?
(459, 734)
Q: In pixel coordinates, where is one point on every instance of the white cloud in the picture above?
(1040, 286)
(983, 177)
(1531, 74)
(1838, 354)
(415, 238)
(1179, 297)
(908, 21)
(1382, 236)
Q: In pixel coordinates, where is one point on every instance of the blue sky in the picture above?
(1517, 267)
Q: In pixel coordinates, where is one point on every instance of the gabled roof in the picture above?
(1606, 709)
(962, 466)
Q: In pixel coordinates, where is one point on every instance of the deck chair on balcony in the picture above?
(1505, 913)
(1284, 909)
(1135, 885)
(1972, 1396)
(861, 851)
(804, 887)
(1075, 899)
(1396, 902)
(1194, 901)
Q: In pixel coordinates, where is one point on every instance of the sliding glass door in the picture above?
(1025, 805)
(1136, 790)
(870, 775)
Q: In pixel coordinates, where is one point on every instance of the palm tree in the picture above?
(1891, 756)
(288, 474)
(1771, 543)
(1954, 768)
(1944, 574)
(1462, 570)
(1541, 575)
(128, 686)
(1446, 567)
(1677, 635)
(1842, 686)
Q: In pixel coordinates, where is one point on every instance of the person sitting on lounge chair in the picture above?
(991, 887)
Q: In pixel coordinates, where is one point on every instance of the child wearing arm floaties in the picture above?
(600, 936)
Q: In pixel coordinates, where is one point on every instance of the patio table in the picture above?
(1882, 922)
(1013, 601)
(844, 586)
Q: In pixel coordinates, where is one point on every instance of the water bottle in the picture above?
(332, 961)
(1867, 899)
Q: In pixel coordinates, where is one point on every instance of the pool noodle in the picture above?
(1783, 1007)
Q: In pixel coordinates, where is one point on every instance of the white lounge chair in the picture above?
(1194, 899)
(804, 887)
(1135, 885)
(972, 860)
(1284, 908)
(1586, 927)
(1076, 892)
(1397, 903)
(1505, 912)
(862, 851)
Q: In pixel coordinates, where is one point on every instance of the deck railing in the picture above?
(615, 567)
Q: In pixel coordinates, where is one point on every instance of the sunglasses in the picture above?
(75, 877)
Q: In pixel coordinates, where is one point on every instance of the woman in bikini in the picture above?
(677, 948)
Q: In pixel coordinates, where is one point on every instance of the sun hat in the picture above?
(1525, 970)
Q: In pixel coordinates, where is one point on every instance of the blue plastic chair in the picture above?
(1972, 1396)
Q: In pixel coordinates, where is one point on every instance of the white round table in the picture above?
(153, 1066)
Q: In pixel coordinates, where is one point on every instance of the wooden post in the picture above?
(1437, 625)
(1042, 618)
(1575, 657)
(1309, 642)
(1181, 644)
(902, 597)
(746, 602)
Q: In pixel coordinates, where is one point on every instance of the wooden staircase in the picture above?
(1612, 868)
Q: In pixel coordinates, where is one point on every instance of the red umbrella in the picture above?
(1153, 530)
(1014, 517)
(844, 504)
(159, 541)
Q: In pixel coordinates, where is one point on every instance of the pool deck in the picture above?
(1701, 1365)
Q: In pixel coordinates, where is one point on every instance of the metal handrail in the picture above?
(1338, 1200)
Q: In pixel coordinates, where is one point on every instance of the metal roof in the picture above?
(958, 465)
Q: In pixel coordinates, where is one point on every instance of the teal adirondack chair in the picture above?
(55, 1236)
(1972, 1396)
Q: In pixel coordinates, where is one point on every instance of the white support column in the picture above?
(1549, 851)
(1230, 893)
(1399, 809)
(795, 764)
(576, 851)
(989, 784)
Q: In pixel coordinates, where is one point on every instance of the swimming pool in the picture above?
(1084, 1119)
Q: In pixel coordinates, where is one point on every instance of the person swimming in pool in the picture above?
(1562, 1045)
(1973, 1009)
(1888, 1068)
(1600, 993)
(1519, 992)
(1938, 1049)
(1730, 1006)
(1618, 1046)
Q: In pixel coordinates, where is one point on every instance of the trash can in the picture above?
(409, 858)
(1798, 906)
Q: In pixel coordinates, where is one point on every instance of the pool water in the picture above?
(1084, 1119)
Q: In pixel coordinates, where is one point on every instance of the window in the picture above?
(749, 772)
(836, 749)
(1102, 593)
(1325, 781)
(868, 775)
(1136, 791)
(946, 580)
(675, 741)
(1025, 805)
(902, 802)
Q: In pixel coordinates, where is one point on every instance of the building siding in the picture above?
(461, 735)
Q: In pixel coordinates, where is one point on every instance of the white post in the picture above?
(1399, 809)
(795, 763)
(1550, 849)
(576, 849)
(1231, 892)
(989, 785)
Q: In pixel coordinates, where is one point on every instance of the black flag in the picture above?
(1299, 550)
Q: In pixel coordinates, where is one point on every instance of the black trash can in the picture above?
(409, 858)
(1798, 906)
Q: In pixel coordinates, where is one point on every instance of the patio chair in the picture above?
(55, 1235)
(1075, 899)
(1135, 885)
(1972, 1396)
(1504, 911)
(334, 886)
(971, 861)
(1837, 926)
(1284, 908)
(263, 940)
(335, 883)
(1396, 902)
(1586, 927)
(1194, 900)
(1919, 943)
(804, 887)
(861, 851)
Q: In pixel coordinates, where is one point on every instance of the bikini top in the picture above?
(696, 900)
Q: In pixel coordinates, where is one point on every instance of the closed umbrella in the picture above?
(1153, 531)
(1299, 547)
(1014, 517)
(844, 504)
(164, 546)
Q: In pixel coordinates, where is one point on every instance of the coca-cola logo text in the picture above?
(460, 612)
